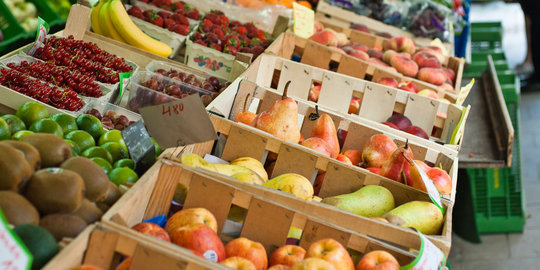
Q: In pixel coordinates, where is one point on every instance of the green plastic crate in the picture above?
(475, 69)
(486, 35)
(510, 85)
(498, 196)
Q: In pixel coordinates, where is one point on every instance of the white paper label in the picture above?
(211, 255)
(13, 253)
(429, 258)
(430, 188)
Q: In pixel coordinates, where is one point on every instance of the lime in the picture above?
(104, 164)
(112, 136)
(157, 148)
(90, 124)
(47, 126)
(74, 147)
(125, 162)
(81, 138)
(32, 111)
(39, 242)
(98, 151)
(21, 133)
(122, 175)
(4, 130)
(116, 150)
(15, 123)
(66, 122)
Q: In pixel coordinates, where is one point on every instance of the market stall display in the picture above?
(321, 142)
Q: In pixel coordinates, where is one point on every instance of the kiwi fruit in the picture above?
(63, 225)
(53, 150)
(14, 170)
(113, 194)
(103, 207)
(17, 209)
(55, 190)
(95, 179)
(31, 154)
(88, 211)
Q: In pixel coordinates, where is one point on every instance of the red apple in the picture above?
(341, 135)
(344, 158)
(354, 107)
(287, 255)
(441, 179)
(378, 260)
(355, 156)
(331, 251)
(391, 82)
(201, 240)
(417, 131)
(314, 264)
(251, 250)
(191, 216)
(401, 121)
(153, 230)
(317, 184)
(238, 263)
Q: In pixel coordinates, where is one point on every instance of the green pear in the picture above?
(423, 216)
(369, 201)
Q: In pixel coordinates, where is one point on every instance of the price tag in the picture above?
(13, 253)
(124, 80)
(304, 20)
(464, 92)
(458, 131)
(432, 191)
(179, 122)
(140, 146)
(43, 29)
(430, 257)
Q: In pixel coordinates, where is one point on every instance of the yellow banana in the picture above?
(94, 18)
(132, 34)
(106, 24)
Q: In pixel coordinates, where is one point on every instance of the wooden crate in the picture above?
(268, 220)
(358, 132)
(344, 18)
(101, 245)
(290, 46)
(378, 101)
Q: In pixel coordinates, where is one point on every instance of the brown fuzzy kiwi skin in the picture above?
(31, 154)
(52, 149)
(89, 212)
(113, 194)
(95, 179)
(17, 209)
(55, 190)
(63, 225)
(14, 170)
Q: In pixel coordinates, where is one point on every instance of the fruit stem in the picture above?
(245, 101)
(316, 115)
(284, 96)
(406, 143)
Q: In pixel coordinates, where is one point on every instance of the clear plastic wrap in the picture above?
(430, 20)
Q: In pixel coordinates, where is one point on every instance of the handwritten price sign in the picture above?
(179, 122)
(304, 20)
(13, 254)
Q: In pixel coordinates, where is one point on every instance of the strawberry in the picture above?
(201, 42)
(180, 29)
(261, 35)
(166, 8)
(180, 11)
(197, 35)
(206, 22)
(148, 14)
(180, 19)
(231, 40)
(164, 14)
(219, 33)
(244, 40)
(230, 50)
(168, 23)
(178, 6)
(135, 9)
(241, 30)
(212, 38)
(193, 14)
(156, 20)
(144, 1)
(256, 51)
(223, 20)
(235, 24)
(255, 41)
(215, 46)
(245, 49)
(205, 28)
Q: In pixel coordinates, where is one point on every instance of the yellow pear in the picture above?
(194, 160)
(292, 183)
(248, 177)
(423, 216)
(252, 164)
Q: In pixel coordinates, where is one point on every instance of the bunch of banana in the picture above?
(109, 18)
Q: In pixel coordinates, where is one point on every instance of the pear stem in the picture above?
(245, 101)
(316, 115)
(406, 143)
(284, 96)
